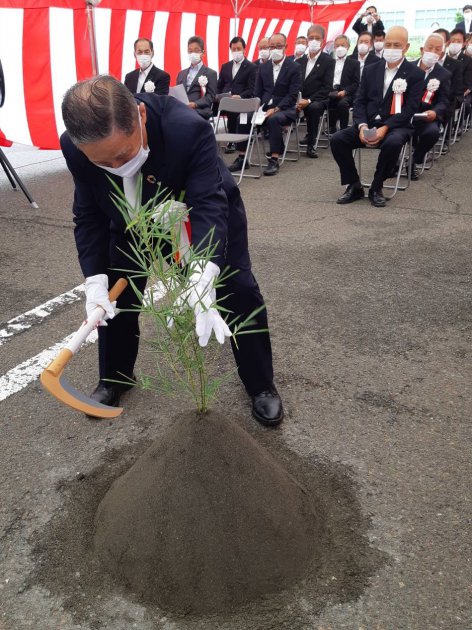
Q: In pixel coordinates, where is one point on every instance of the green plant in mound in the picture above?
(157, 233)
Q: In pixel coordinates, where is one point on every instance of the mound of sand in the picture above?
(205, 520)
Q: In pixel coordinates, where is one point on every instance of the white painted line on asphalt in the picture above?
(28, 319)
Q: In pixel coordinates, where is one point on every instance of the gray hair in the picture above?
(317, 28)
(343, 37)
(94, 108)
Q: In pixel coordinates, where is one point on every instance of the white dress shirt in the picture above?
(390, 75)
(192, 73)
(310, 64)
(142, 77)
(338, 70)
(467, 25)
(276, 67)
(235, 68)
(428, 71)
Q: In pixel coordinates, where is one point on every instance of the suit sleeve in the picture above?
(207, 101)
(251, 79)
(258, 87)
(358, 27)
(467, 73)
(127, 81)
(294, 87)
(359, 114)
(412, 101)
(221, 82)
(163, 85)
(441, 106)
(326, 86)
(354, 79)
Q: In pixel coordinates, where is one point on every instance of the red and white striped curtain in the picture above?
(45, 48)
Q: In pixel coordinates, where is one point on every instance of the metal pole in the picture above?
(90, 11)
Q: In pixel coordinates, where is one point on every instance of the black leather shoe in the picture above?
(414, 173)
(238, 164)
(377, 199)
(267, 408)
(107, 394)
(230, 147)
(310, 151)
(304, 141)
(353, 192)
(272, 167)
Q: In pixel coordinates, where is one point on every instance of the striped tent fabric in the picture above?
(45, 47)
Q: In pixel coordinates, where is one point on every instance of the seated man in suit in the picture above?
(434, 103)
(110, 132)
(317, 72)
(277, 85)
(301, 44)
(199, 80)
(369, 21)
(236, 77)
(457, 45)
(147, 78)
(345, 84)
(379, 41)
(466, 24)
(365, 54)
(373, 108)
(263, 51)
(455, 68)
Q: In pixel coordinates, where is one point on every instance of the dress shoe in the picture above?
(267, 408)
(377, 199)
(353, 192)
(230, 147)
(310, 151)
(415, 175)
(272, 167)
(304, 141)
(107, 395)
(238, 164)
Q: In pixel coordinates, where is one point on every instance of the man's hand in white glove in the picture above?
(96, 294)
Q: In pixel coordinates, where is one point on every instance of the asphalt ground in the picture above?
(370, 315)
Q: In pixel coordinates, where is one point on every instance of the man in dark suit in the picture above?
(434, 104)
(372, 111)
(317, 71)
(466, 24)
(277, 85)
(263, 51)
(236, 77)
(364, 51)
(379, 41)
(345, 84)
(199, 80)
(111, 132)
(301, 44)
(369, 21)
(455, 68)
(147, 78)
(457, 52)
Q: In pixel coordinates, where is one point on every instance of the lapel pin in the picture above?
(151, 179)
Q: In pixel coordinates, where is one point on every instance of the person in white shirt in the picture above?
(148, 78)
(301, 44)
(264, 52)
(379, 42)
(364, 51)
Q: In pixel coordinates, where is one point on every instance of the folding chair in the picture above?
(404, 162)
(248, 106)
(323, 127)
(458, 124)
(287, 134)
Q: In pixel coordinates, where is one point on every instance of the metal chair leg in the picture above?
(14, 177)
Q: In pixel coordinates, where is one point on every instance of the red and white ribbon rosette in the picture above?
(173, 215)
(399, 88)
(431, 88)
(203, 82)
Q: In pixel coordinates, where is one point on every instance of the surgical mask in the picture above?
(363, 48)
(469, 49)
(392, 55)
(300, 49)
(276, 54)
(454, 49)
(467, 15)
(314, 45)
(341, 52)
(130, 168)
(429, 59)
(237, 56)
(194, 58)
(378, 46)
(144, 61)
(264, 53)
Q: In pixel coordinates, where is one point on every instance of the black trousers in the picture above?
(118, 342)
(339, 110)
(425, 136)
(275, 125)
(346, 140)
(313, 113)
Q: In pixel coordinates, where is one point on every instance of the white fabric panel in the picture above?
(102, 38)
(62, 50)
(132, 24)
(304, 26)
(256, 37)
(187, 29)
(271, 28)
(213, 28)
(334, 29)
(159, 37)
(13, 121)
(286, 26)
(247, 30)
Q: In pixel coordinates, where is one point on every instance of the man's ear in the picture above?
(407, 47)
(142, 113)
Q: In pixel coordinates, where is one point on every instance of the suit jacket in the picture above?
(370, 58)
(160, 79)
(350, 77)
(440, 100)
(359, 27)
(194, 92)
(242, 84)
(183, 157)
(371, 107)
(461, 25)
(466, 62)
(457, 85)
(319, 83)
(284, 93)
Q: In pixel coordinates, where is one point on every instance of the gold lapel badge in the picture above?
(151, 179)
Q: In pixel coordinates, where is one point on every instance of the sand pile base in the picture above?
(205, 520)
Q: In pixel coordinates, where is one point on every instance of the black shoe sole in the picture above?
(266, 422)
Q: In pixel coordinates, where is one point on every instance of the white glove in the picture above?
(96, 294)
(167, 213)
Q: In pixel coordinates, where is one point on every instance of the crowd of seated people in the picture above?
(373, 97)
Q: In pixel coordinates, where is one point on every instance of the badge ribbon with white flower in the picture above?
(431, 88)
(174, 215)
(202, 82)
(149, 86)
(399, 88)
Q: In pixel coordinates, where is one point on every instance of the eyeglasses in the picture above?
(278, 47)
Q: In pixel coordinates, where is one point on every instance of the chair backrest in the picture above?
(239, 105)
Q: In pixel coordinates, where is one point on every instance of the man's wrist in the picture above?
(362, 125)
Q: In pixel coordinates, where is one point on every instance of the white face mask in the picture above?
(378, 46)
(454, 49)
(130, 168)
(469, 49)
(300, 49)
(341, 52)
(314, 45)
(392, 55)
(237, 56)
(429, 59)
(194, 58)
(144, 61)
(276, 54)
(467, 15)
(264, 53)
(363, 49)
